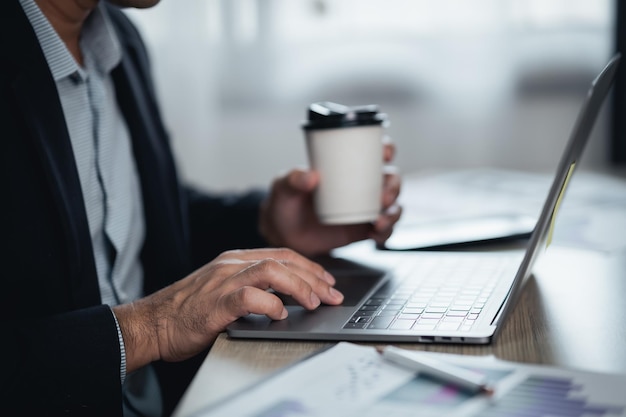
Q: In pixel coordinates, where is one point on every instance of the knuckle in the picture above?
(318, 269)
(240, 300)
(244, 295)
(265, 266)
(248, 300)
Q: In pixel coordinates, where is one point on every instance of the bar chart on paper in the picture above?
(545, 396)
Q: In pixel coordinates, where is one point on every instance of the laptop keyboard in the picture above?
(433, 295)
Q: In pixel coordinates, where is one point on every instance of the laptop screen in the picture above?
(541, 238)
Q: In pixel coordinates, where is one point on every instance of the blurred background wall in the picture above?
(466, 83)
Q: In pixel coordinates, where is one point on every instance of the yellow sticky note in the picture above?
(558, 203)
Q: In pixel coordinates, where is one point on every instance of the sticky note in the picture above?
(558, 203)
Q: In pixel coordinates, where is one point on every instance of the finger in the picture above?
(322, 290)
(269, 273)
(251, 300)
(302, 180)
(385, 223)
(391, 187)
(236, 274)
(389, 149)
(319, 281)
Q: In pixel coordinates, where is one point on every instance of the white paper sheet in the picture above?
(353, 380)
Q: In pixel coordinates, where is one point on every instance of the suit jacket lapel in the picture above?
(36, 95)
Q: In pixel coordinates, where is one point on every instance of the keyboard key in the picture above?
(449, 326)
(452, 319)
(391, 313)
(432, 315)
(423, 327)
(360, 319)
(412, 304)
(408, 316)
(401, 324)
(449, 294)
(423, 320)
(466, 327)
(380, 322)
(436, 310)
(408, 310)
(354, 326)
(437, 304)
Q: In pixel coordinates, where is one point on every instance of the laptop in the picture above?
(442, 297)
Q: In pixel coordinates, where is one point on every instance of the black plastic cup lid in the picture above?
(328, 115)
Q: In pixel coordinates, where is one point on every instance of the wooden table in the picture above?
(572, 313)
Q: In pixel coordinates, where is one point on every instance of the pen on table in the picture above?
(445, 372)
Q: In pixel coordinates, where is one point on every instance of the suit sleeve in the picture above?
(59, 365)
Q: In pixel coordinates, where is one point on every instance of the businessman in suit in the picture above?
(116, 277)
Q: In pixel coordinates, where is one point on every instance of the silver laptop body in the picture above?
(442, 297)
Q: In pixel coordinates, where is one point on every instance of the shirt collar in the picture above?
(98, 39)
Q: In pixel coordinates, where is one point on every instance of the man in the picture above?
(100, 297)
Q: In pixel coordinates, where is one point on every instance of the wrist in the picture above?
(139, 332)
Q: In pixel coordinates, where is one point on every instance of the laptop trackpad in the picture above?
(354, 280)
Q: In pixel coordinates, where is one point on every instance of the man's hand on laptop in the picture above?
(184, 318)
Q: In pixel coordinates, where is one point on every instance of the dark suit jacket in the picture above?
(60, 348)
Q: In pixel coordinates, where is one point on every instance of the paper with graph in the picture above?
(353, 380)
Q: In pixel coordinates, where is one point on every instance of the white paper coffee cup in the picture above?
(345, 145)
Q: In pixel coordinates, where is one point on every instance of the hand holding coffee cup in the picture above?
(345, 145)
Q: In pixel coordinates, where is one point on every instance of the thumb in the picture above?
(303, 180)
